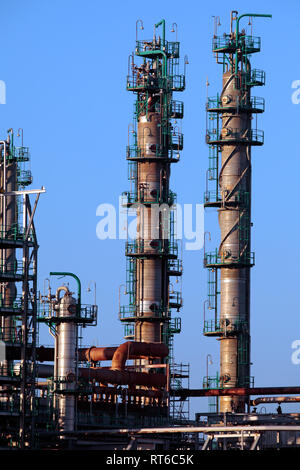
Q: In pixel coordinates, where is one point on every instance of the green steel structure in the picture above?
(18, 297)
(230, 136)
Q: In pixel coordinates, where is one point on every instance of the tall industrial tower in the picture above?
(18, 295)
(230, 136)
(154, 142)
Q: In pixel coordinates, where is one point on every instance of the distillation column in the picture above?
(65, 366)
(230, 134)
(152, 232)
(234, 217)
(153, 257)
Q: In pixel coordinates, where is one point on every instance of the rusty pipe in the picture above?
(137, 350)
(267, 400)
(128, 350)
(94, 354)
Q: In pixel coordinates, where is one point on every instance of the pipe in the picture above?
(137, 350)
(185, 392)
(118, 377)
(163, 24)
(62, 288)
(237, 33)
(55, 273)
(257, 401)
(159, 394)
(114, 377)
(182, 429)
(95, 354)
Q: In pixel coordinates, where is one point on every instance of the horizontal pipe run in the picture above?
(117, 377)
(131, 393)
(128, 350)
(202, 392)
(114, 377)
(184, 429)
(95, 354)
(267, 400)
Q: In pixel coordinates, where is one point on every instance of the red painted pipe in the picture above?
(137, 350)
(94, 354)
(235, 391)
(114, 377)
(128, 350)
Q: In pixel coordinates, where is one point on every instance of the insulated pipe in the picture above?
(94, 354)
(134, 350)
(137, 350)
(114, 377)
(266, 400)
(44, 354)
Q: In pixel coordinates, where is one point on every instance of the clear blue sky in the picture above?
(65, 64)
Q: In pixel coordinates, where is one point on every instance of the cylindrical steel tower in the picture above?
(65, 369)
(8, 224)
(155, 143)
(230, 133)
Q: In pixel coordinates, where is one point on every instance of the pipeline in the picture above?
(119, 355)
(102, 390)
(115, 377)
(137, 350)
(94, 354)
(268, 400)
(236, 391)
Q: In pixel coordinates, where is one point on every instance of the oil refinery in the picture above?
(59, 394)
